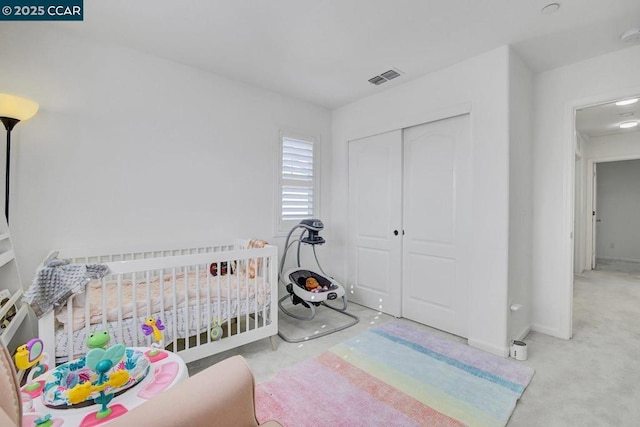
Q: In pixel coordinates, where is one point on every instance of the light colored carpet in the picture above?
(325, 320)
(395, 375)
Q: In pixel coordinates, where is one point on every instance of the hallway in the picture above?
(592, 379)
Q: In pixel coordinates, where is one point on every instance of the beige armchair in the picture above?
(221, 395)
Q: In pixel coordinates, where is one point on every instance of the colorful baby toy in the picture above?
(101, 361)
(153, 327)
(99, 340)
(216, 331)
(29, 355)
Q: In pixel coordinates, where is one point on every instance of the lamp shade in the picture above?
(15, 107)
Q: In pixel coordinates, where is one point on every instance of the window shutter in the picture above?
(297, 179)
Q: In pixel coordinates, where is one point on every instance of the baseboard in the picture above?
(606, 258)
(523, 333)
(498, 351)
(547, 331)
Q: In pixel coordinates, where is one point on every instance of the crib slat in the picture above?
(104, 304)
(162, 302)
(186, 307)
(175, 309)
(147, 277)
(256, 315)
(87, 312)
(247, 294)
(198, 313)
(120, 326)
(267, 273)
(70, 328)
(228, 303)
(209, 313)
(238, 306)
(134, 311)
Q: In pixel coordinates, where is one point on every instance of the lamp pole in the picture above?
(9, 123)
(13, 109)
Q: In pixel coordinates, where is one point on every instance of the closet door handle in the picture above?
(395, 232)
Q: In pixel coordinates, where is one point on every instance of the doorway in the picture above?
(616, 202)
(598, 139)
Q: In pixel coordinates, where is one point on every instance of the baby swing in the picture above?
(308, 287)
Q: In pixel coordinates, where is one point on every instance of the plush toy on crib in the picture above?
(29, 355)
(153, 326)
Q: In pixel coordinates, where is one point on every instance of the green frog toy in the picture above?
(98, 340)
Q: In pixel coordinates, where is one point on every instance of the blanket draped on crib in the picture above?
(57, 281)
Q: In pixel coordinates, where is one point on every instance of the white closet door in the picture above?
(437, 224)
(375, 234)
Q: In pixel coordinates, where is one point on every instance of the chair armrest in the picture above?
(10, 402)
(221, 395)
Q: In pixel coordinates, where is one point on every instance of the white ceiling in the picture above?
(605, 119)
(325, 51)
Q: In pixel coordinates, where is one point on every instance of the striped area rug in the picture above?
(395, 375)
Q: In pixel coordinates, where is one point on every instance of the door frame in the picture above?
(593, 205)
(580, 232)
(565, 329)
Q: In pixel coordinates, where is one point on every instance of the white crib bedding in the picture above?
(162, 297)
(175, 326)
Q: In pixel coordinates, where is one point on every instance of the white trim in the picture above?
(565, 329)
(554, 332)
(523, 333)
(610, 258)
(498, 351)
(433, 116)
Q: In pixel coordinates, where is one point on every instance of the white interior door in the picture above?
(437, 224)
(594, 215)
(375, 206)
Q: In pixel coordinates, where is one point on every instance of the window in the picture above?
(298, 195)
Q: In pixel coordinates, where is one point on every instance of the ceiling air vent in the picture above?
(391, 74)
(384, 77)
(377, 80)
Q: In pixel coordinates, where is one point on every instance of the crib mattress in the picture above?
(175, 321)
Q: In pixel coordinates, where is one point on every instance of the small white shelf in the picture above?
(6, 256)
(10, 280)
(12, 301)
(10, 331)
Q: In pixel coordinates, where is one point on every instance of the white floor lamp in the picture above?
(13, 109)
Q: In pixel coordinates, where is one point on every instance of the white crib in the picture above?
(189, 289)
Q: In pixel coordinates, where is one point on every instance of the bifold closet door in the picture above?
(437, 224)
(375, 235)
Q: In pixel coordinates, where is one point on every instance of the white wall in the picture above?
(520, 204)
(557, 93)
(480, 85)
(131, 149)
(613, 147)
(618, 208)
